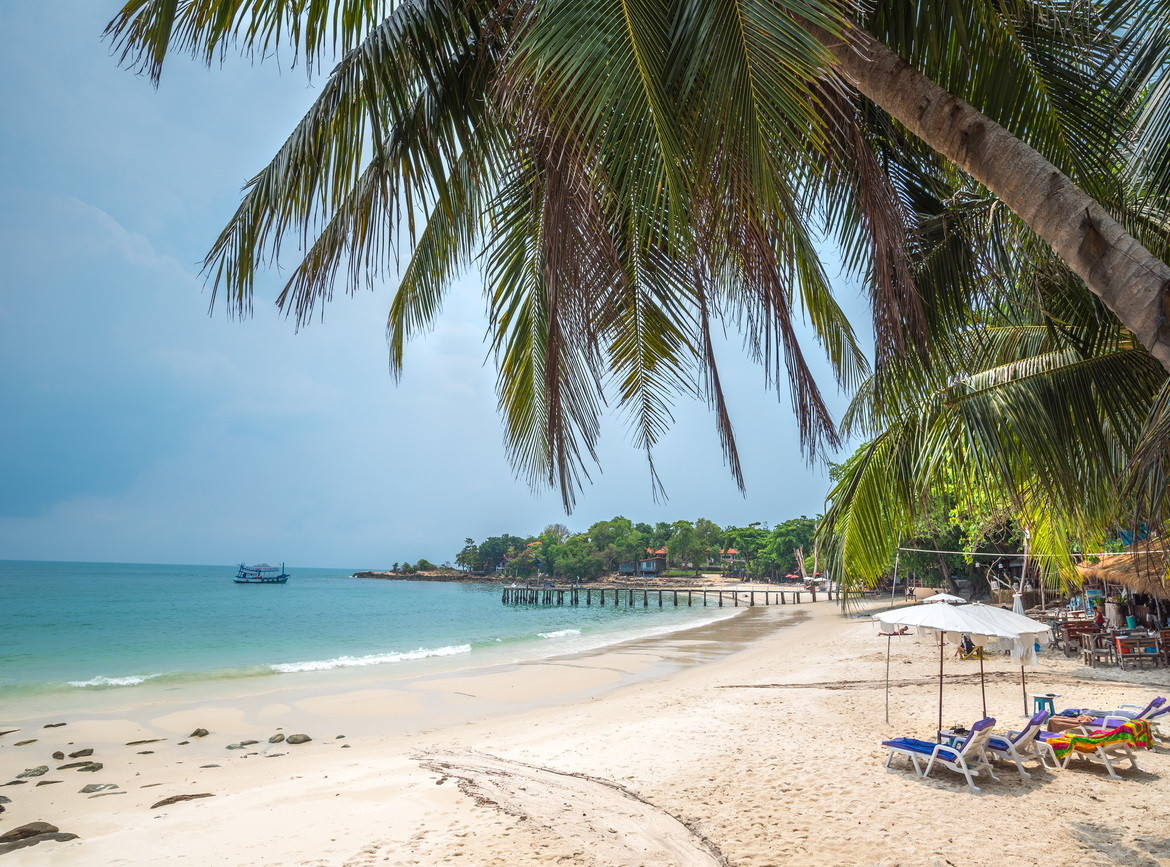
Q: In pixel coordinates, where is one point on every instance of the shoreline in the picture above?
(35, 707)
(671, 751)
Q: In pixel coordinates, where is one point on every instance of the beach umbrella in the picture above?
(1018, 603)
(942, 619)
(945, 597)
(1027, 633)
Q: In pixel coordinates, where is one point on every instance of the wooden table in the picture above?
(1142, 650)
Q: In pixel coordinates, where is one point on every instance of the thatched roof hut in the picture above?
(1138, 570)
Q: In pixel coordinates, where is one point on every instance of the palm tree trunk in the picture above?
(1129, 279)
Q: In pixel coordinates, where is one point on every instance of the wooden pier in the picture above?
(645, 597)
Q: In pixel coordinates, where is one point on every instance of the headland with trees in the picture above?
(684, 549)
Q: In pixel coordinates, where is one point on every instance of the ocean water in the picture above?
(69, 627)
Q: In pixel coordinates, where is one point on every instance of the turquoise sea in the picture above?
(69, 627)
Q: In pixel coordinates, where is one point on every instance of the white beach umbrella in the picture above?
(1028, 633)
(1018, 603)
(943, 619)
(945, 597)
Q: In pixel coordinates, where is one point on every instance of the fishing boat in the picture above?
(261, 574)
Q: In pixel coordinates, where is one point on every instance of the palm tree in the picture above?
(631, 173)
(1040, 410)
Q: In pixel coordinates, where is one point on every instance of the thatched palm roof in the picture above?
(1140, 571)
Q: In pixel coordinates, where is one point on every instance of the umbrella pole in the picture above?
(940, 681)
(982, 683)
(889, 638)
(1024, 687)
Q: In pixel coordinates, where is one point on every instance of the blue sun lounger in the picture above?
(967, 758)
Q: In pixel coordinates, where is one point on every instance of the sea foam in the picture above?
(369, 659)
(560, 633)
(132, 680)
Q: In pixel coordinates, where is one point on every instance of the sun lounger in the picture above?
(967, 758)
(1105, 746)
(1157, 712)
(1020, 746)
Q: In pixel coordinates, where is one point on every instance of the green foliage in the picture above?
(777, 552)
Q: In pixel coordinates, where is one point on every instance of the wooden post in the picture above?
(720, 598)
(752, 603)
(659, 598)
(589, 596)
(645, 598)
(688, 599)
(704, 598)
(631, 598)
(735, 597)
(676, 599)
(813, 590)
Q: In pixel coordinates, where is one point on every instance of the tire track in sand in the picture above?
(613, 824)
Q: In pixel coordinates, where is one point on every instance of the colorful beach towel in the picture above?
(1136, 733)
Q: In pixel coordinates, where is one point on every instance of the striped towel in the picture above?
(1136, 733)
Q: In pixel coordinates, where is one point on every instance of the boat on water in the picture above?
(261, 574)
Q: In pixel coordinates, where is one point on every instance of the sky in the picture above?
(137, 427)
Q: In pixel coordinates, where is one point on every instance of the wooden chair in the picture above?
(1097, 649)
(1071, 633)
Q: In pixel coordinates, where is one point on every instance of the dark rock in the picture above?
(96, 787)
(4, 799)
(91, 768)
(47, 783)
(32, 841)
(88, 751)
(183, 743)
(338, 737)
(25, 743)
(59, 756)
(274, 755)
(276, 738)
(38, 771)
(16, 782)
(145, 752)
(71, 765)
(248, 743)
(54, 725)
(298, 739)
(209, 766)
(235, 746)
(1, 808)
(147, 741)
(345, 746)
(8, 732)
(174, 799)
(199, 733)
(29, 830)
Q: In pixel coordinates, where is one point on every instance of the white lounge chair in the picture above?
(1022, 745)
(967, 758)
(1156, 713)
(1106, 753)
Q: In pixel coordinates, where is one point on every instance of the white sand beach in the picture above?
(662, 751)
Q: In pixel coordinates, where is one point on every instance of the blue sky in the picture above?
(138, 428)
